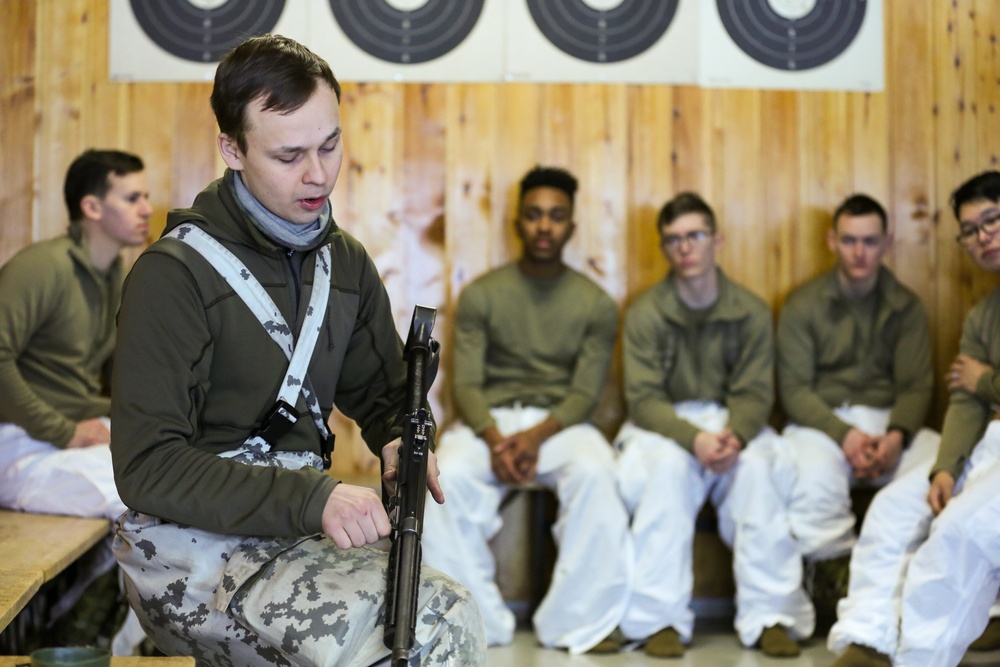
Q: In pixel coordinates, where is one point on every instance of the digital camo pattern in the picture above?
(235, 601)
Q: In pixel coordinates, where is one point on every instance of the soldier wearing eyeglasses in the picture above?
(949, 581)
(699, 363)
(855, 380)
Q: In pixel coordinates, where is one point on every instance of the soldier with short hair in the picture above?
(699, 365)
(240, 330)
(920, 600)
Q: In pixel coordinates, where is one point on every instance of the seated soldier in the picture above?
(699, 364)
(855, 381)
(238, 549)
(948, 582)
(58, 301)
(533, 343)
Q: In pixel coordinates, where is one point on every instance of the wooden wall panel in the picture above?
(430, 178)
(780, 191)
(18, 91)
(650, 169)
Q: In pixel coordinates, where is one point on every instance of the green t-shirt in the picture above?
(545, 343)
(831, 353)
(724, 353)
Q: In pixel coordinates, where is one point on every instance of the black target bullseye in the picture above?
(792, 43)
(603, 36)
(408, 37)
(205, 35)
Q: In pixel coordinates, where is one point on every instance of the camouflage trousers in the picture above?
(304, 601)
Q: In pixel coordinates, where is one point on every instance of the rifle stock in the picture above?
(406, 506)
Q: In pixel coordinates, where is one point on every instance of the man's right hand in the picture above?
(89, 432)
(354, 516)
(860, 450)
(717, 452)
(942, 489)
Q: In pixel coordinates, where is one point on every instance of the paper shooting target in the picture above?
(204, 30)
(408, 36)
(602, 35)
(792, 34)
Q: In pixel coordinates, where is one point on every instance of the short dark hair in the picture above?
(88, 175)
(276, 69)
(984, 186)
(861, 204)
(550, 177)
(682, 204)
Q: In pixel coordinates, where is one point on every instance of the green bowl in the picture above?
(74, 656)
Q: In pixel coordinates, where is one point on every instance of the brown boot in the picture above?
(990, 639)
(610, 644)
(857, 655)
(777, 643)
(666, 643)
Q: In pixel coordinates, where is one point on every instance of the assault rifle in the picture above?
(406, 506)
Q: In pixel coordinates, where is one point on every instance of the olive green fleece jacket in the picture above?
(57, 335)
(968, 414)
(545, 343)
(822, 363)
(669, 358)
(196, 373)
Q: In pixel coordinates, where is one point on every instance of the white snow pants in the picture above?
(954, 577)
(590, 583)
(820, 506)
(39, 477)
(664, 487)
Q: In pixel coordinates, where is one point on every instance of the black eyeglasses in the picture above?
(674, 241)
(969, 233)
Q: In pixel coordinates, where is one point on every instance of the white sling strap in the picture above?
(260, 303)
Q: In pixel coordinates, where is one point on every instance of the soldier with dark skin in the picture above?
(533, 341)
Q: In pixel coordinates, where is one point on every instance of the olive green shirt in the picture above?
(544, 343)
(829, 357)
(57, 335)
(196, 373)
(969, 414)
(724, 354)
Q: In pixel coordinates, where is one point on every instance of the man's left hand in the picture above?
(888, 449)
(390, 457)
(965, 373)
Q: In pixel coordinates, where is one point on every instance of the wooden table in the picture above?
(46, 542)
(16, 588)
(14, 660)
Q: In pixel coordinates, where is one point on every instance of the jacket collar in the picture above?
(728, 307)
(890, 293)
(217, 210)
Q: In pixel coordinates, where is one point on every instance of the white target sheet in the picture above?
(786, 44)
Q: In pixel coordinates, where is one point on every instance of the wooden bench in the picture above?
(16, 588)
(46, 542)
(34, 548)
(25, 661)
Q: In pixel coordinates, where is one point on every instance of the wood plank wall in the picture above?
(430, 178)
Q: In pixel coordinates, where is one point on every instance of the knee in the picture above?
(466, 631)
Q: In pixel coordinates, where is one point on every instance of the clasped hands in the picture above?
(872, 456)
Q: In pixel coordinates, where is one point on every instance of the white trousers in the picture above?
(820, 504)
(39, 477)
(954, 577)
(590, 584)
(664, 487)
